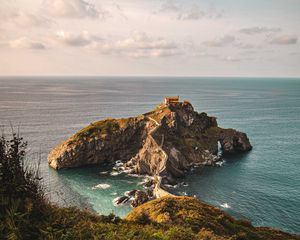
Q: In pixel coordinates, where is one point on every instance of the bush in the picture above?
(21, 196)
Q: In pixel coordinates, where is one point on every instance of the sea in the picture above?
(262, 186)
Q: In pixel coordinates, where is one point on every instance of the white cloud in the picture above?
(220, 42)
(26, 43)
(11, 14)
(284, 40)
(231, 59)
(73, 9)
(258, 30)
(24, 19)
(243, 45)
(139, 44)
(188, 11)
(82, 39)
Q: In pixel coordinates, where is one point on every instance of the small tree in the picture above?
(17, 180)
(21, 195)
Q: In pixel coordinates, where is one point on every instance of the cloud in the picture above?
(284, 40)
(26, 43)
(231, 59)
(138, 45)
(11, 14)
(220, 42)
(73, 9)
(258, 30)
(244, 45)
(24, 19)
(119, 10)
(82, 39)
(189, 12)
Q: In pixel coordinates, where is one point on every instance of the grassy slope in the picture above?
(202, 219)
(161, 219)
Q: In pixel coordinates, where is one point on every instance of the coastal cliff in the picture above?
(165, 143)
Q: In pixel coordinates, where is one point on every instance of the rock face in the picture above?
(163, 143)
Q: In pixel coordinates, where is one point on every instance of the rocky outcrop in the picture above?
(164, 143)
(134, 197)
(101, 142)
(234, 142)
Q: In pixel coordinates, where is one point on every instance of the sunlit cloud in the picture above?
(138, 44)
(192, 11)
(26, 43)
(84, 38)
(258, 30)
(73, 9)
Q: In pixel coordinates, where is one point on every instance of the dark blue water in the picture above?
(262, 186)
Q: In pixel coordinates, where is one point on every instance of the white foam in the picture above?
(220, 163)
(171, 186)
(119, 163)
(225, 205)
(220, 151)
(135, 175)
(101, 186)
(114, 173)
(114, 201)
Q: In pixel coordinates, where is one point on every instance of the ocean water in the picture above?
(262, 186)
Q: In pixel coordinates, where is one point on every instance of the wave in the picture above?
(114, 173)
(101, 186)
(225, 205)
(220, 163)
(136, 175)
(119, 163)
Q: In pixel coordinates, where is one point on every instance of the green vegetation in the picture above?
(26, 214)
(201, 220)
(97, 128)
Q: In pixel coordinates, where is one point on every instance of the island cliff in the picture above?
(165, 143)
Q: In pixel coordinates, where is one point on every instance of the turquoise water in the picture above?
(98, 189)
(262, 186)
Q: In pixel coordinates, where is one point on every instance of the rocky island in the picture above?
(163, 143)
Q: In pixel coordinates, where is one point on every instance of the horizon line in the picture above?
(146, 75)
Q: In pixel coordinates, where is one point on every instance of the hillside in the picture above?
(202, 220)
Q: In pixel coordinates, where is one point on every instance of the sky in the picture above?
(257, 38)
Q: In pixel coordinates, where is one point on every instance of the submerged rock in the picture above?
(140, 197)
(121, 200)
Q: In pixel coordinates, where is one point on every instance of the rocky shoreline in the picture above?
(164, 144)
